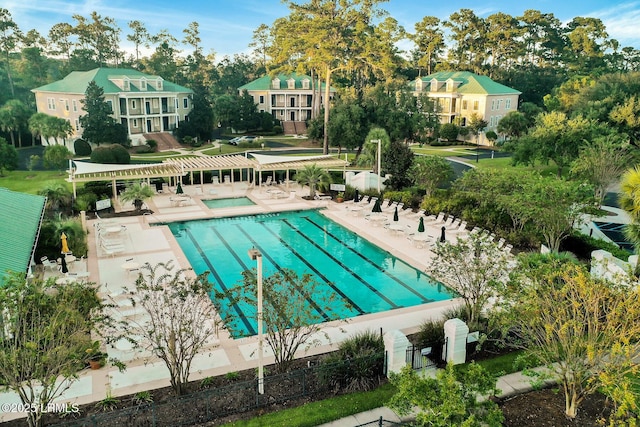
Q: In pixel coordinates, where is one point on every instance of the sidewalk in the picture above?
(509, 385)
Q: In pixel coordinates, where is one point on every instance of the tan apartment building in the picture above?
(287, 97)
(145, 104)
(460, 94)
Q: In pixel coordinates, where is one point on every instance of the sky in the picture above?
(226, 26)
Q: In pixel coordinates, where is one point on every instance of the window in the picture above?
(135, 123)
(476, 104)
(261, 99)
(110, 104)
(127, 84)
(493, 104)
(464, 104)
(185, 102)
(143, 84)
(76, 124)
(499, 103)
(65, 102)
(507, 104)
(291, 84)
(305, 84)
(74, 104)
(275, 84)
(159, 84)
(133, 104)
(51, 103)
(492, 122)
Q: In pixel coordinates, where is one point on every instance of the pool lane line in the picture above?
(341, 264)
(385, 272)
(215, 274)
(279, 268)
(238, 259)
(315, 270)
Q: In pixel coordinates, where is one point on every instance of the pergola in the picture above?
(175, 168)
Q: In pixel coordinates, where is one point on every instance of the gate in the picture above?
(422, 358)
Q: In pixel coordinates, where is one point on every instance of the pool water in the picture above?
(367, 278)
(228, 203)
(615, 232)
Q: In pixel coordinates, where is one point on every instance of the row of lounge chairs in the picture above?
(110, 237)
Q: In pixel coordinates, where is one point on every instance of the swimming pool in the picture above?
(367, 278)
(228, 203)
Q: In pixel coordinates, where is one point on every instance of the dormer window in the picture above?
(305, 84)
(275, 84)
(291, 84)
(434, 85)
(419, 84)
(126, 85)
(159, 84)
(143, 84)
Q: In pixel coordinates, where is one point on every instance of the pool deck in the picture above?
(146, 243)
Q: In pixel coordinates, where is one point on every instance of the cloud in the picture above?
(622, 22)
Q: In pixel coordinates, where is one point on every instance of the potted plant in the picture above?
(340, 197)
(95, 356)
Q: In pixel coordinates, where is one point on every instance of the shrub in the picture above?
(144, 149)
(277, 130)
(405, 197)
(82, 147)
(449, 131)
(431, 333)
(142, 397)
(111, 154)
(582, 245)
(152, 143)
(357, 365)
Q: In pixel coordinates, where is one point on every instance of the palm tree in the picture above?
(57, 196)
(630, 202)
(313, 176)
(137, 193)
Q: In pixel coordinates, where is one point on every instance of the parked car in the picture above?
(234, 141)
(248, 138)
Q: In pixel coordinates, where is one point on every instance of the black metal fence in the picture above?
(383, 423)
(424, 357)
(220, 402)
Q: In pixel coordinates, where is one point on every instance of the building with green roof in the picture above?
(288, 98)
(145, 104)
(460, 94)
(20, 219)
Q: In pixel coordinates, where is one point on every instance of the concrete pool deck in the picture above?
(146, 243)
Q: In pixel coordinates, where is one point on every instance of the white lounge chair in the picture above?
(438, 219)
(47, 263)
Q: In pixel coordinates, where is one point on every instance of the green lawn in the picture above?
(32, 182)
(446, 151)
(324, 411)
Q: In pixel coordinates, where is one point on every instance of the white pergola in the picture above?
(80, 171)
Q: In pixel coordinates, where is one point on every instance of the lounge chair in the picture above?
(454, 225)
(438, 219)
(47, 263)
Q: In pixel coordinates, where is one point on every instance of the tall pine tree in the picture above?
(98, 124)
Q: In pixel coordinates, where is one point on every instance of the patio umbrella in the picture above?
(376, 207)
(395, 214)
(65, 248)
(421, 225)
(356, 197)
(179, 188)
(63, 265)
(442, 233)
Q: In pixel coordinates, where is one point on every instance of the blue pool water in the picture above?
(366, 277)
(228, 203)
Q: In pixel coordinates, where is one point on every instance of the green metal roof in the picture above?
(77, 82)
(20, 218)
(470, 83)
(265, 82)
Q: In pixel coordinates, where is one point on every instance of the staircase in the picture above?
(166, 141)
(294, 128)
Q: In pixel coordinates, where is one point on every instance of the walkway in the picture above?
(146, 243)
(509, 385)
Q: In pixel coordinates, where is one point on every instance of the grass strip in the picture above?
(324, 411)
